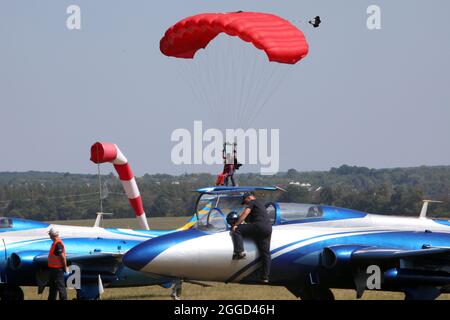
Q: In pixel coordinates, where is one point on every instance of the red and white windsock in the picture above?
(102, 152)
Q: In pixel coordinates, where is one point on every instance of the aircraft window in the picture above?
(228, 203)
(213, 209)
(6, 223)
(217, 220)
(204, 205)
(298, 211)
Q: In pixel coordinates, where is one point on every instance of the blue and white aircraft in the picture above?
(98, 252)
(24, 246)
(314, 248)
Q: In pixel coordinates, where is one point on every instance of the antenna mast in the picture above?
(99, 185)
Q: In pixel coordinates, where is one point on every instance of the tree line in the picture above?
(66, 196)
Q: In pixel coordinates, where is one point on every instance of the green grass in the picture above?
(195, 292)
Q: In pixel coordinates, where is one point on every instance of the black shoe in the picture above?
(265, 280)
(239, 255)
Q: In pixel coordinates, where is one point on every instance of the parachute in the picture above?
(102, 152)
(246, 58)
(281, 41)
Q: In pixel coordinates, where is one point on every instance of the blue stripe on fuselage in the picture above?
(289, 262)
(254, 262)
(148, 234)
(141, 255)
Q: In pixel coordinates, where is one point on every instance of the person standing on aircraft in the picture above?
(57, 264)
(231, 164)
(258, 228)
(228, 171)
(228, 167)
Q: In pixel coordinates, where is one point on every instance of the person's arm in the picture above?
(64, 262)
(58, 252)
(242, 217)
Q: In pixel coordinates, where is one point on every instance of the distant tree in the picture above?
(326, 196)
(295, 194)
(291, 173)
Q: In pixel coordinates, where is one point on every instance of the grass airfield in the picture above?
(218, 291)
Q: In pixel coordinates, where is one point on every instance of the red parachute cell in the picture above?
(281, 41)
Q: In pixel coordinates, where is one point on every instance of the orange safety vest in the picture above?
(54, 261)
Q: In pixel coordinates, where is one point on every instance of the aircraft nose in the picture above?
(144, 253)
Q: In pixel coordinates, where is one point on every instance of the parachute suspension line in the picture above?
(236, 79)
(266, 85)
(226, 64)
(248, 74)
(184, 40)
(218, 75)
(197, 76)
(251, 73)
(197, 81)
(252, 95)
(188, 69)
(260, 73)
(205, 82)
(213, 82)
(271, 93)
(240, 81)
(183, 72)
(219, 78)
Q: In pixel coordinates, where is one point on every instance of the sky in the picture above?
(375, 98)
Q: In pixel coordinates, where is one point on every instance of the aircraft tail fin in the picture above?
(99, 219)
(423, 212)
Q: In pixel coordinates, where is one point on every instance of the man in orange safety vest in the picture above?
(57, 264)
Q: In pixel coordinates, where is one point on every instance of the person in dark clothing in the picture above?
(57, 264)
(258, 228)
(315, 22)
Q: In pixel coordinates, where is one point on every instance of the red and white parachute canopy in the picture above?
(102, 152)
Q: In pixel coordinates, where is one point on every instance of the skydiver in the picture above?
(228, 170)
(229, 166)
(258, 228)
(315, 22)
(57, 264)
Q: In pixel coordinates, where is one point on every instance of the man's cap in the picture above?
(53, 232)
(245, 195)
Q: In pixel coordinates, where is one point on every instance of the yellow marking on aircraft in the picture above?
(202, 212)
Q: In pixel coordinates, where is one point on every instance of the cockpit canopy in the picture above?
(17, 224)
(289, 212)
(213, 208)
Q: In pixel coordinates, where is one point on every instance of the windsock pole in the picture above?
(102, 152)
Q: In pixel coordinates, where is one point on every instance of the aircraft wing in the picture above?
(92, 265)
(360, 255)
(100, 261)
(428, 266)
(376, 253)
